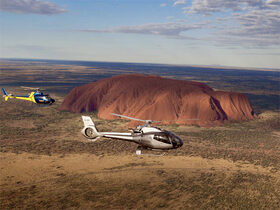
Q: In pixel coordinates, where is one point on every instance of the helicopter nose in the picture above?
(177, 142)
(180, 142)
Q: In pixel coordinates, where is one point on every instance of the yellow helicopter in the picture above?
(36, 96)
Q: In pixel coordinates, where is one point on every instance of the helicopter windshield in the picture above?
(169, 138)
(162, 137)
(176, 141)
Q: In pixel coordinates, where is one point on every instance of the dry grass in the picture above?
(50, 165)
(46, 163)
(126, 181)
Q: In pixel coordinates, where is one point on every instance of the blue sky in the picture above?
(241, 33)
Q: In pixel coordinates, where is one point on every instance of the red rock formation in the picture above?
(157, 98)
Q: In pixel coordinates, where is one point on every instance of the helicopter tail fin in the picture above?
(5, 94)
(89, 130)
(88, 121)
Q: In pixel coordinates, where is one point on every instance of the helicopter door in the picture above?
(162, 137)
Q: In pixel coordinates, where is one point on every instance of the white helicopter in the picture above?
(146, 136)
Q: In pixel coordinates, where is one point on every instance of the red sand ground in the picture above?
(157, 98)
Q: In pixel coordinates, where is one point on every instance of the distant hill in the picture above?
(157, 98)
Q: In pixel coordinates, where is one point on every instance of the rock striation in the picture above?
(153, 97)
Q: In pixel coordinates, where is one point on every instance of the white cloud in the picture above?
(178, 2)
(30, 7)
(169, 29)
(259, 22)
(210, 6)
(163, 5)
(247, 23)
(273, 2)
(257, 27)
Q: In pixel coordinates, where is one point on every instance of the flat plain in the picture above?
(46, 163)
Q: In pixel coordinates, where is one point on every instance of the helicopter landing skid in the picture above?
(139, 151)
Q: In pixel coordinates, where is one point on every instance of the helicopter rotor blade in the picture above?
(154, 121)
(182, 120)
(31, 88)
(146, 121)
(131, 118)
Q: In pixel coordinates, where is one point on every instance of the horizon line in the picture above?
(166, 64)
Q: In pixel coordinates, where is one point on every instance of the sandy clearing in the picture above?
(29, 168)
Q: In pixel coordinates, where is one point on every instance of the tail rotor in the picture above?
(89, 130)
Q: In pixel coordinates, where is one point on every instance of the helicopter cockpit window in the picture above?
(162, 137)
